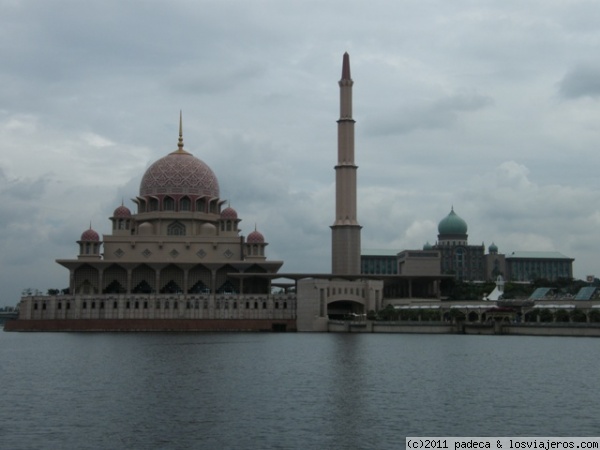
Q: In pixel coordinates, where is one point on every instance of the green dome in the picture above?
(493, 248)
(452, 224)
(427, 246)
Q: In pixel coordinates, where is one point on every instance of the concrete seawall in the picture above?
(496, 328)
(151, 325)
(392, 327)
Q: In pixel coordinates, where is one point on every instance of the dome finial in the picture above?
(180, 143)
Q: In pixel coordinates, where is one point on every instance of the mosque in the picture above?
(181, 262)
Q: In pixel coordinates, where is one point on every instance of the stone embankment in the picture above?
(491, 328)
(151, 325)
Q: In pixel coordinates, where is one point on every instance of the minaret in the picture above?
(345, 232)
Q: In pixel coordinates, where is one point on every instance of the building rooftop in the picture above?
(537, 255)
(378, 252)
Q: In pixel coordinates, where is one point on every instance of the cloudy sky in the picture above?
(492, 107)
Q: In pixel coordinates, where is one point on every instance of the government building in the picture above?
(457, 258)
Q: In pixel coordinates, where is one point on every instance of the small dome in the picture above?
(208, 229)
(255, 238)
(493, 248)
(229, 214)
(427, 246)
(122, 212)
(146, 229)
(90, 236)
(452, 224)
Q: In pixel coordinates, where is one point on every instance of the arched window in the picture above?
(176, 229)
(185, 204)
(201, 205)
(153, 206)
(168, 204)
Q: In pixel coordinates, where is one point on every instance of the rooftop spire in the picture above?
(346, 67)
(180, 143)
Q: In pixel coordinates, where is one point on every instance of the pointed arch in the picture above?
(199, 280)
(143, 280)
(185, 204)
(171, 280)
(168, 203)
(225, 284)
(114, 280)
(176, 229)
(86, 280)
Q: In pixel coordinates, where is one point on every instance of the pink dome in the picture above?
(255, 238)
(122, 212)
(229, 214)
(179, 173)
(90, 235)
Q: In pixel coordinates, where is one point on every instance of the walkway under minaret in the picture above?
(345, 232)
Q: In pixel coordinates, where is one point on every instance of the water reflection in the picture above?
(289, 391)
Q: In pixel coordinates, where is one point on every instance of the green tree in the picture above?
(577, 315)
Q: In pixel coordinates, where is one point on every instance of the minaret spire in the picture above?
(346, 67)
(180, 143)
(345, 243)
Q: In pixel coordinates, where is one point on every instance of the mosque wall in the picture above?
(120, 307)
(170, 249)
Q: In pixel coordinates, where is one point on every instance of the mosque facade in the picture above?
(180, 256)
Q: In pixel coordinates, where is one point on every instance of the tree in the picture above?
(577, 315)
(562, 315)
(388, 313)
(594, 316)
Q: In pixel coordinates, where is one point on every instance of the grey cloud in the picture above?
(23, 189)
(581, 81)
(193, 79)
(441, 113)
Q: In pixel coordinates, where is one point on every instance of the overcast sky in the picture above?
(492, 107)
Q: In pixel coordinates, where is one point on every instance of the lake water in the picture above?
(289, 391)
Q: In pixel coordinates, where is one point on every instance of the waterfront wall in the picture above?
(553, 329)
(392, 327)
(491, 328)
(158, 307)
(151, 325)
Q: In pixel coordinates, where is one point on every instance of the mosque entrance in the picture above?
(346, 310)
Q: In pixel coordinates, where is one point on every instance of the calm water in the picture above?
(290, 391)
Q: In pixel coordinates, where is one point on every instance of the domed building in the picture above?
(182, 255)
(457, 257)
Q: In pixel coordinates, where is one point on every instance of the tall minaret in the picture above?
(345, 232)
